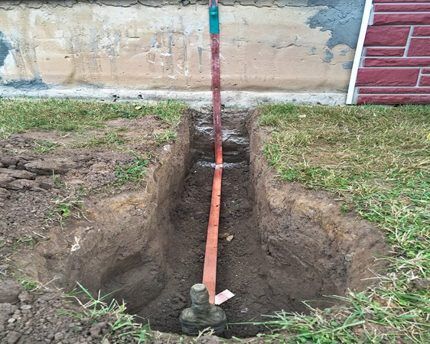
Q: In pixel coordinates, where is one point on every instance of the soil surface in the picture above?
(41, 172)
(34, 184)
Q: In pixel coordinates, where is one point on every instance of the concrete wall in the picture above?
(267, 45)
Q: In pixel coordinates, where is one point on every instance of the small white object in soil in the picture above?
(223, 297)
(76, 245)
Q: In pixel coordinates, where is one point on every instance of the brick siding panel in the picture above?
(387, 76)
(396, 62)
(419, 47)
(397, 1)
(422, 31)
(425, 80)
(394, 99)
(395, 65)
(385, 52)
(394, 90)
(401, 19)
(402, 8)
(386, 36)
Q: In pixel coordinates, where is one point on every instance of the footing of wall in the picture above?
(199, 99)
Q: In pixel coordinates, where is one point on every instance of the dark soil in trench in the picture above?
(241, 264)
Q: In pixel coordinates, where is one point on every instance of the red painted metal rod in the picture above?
(211, 254)
(216, 97)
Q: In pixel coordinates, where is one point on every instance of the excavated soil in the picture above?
(280, 244)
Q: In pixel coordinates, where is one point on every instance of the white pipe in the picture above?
(359, 51)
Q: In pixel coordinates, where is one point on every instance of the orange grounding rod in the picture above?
(211, 254)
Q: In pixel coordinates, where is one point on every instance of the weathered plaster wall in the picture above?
(267, 45)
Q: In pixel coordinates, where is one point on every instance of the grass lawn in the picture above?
(17, 116)
(377, 160)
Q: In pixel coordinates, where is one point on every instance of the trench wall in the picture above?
(267, 45)
(313, 248)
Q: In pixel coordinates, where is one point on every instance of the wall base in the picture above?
(195, 99)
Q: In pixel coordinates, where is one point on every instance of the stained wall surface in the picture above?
(272, 45)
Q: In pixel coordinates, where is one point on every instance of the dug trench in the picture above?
(280, 244)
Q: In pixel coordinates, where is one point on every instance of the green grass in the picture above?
(24, 241)
(73, 115)
(123, 327)
(44, 146)
(56, 179)
(377, 159)
(29, 285)
(164, 137)
(26, 282)
(132, 172)
(65, 207)
(111, 138)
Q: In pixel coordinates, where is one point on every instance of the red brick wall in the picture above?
(395, 67)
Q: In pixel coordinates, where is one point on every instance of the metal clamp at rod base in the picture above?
(202, 315)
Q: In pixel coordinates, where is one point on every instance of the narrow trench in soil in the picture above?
(277, 246)
(241, 264)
